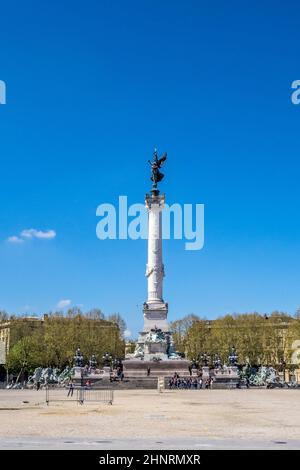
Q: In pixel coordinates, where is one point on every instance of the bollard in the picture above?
(160, 384)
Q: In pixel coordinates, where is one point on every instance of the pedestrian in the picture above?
(38, 385)
(148, 371)
(88, 383)
(71, 388)
(82, 380)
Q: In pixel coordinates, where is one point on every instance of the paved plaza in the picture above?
(146, 419)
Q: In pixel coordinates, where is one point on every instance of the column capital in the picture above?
(155, 201)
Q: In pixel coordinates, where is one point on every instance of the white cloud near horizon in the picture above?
(33, 233)
(127, 334)
(63, 303)
(30, 233)
(15, 239)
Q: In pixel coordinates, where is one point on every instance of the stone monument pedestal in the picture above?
(140, 368)
(226, 377)
(78, 372)
(106, 371)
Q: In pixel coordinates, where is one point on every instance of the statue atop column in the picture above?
(156, 175)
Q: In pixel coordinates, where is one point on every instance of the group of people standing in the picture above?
(189, 382)
(71, 386)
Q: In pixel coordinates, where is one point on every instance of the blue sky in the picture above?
(92, 88)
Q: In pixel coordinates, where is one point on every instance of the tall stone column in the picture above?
(155, 347)
(155, 309)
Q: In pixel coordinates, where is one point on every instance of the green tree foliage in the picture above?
(63, 335)
(27, 354)
(197, 338)
(179, 329)
(116, 318)
(258, 339)
(54, 341)
(23, 327)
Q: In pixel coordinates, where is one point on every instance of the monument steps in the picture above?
(126, 384)
(151, 384)
(130, 383)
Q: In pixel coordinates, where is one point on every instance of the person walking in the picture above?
(71, 388)
(88, 384)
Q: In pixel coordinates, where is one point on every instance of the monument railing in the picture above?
(79, 395)
(106, 396)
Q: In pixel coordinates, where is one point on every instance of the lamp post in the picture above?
(78, 358)
(93, 362)
(283, 365)
(205, 358)
(107, 358)
(217, 362)
(194, 364)
(193, 367)
(117, 363)
(233, 357)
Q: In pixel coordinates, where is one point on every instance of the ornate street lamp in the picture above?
(93, 362)
(205, 358)
(217, 362)
(107, 358)
(194, 364)
(283, 366)
(117, 363)
(233, 357)
(78, 358)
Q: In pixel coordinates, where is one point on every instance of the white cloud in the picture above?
(63, 303)
(127, 334)
(33, 233)
(15, 239)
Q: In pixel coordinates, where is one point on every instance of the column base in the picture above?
(155, 316)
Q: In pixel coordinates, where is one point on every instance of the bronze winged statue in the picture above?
(156, 175)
